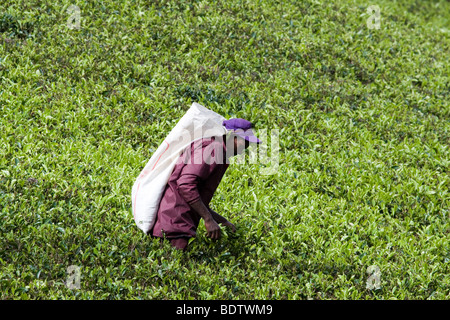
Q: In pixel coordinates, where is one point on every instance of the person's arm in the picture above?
(222, 220)
(211, 225)
(188, 181)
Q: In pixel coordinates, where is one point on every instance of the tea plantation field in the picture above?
(358, 207)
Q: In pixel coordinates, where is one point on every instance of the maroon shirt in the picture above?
(194, 177)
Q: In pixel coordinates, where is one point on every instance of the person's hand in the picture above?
(212, 229)
(229, 225)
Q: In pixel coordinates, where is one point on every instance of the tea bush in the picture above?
(363, 120)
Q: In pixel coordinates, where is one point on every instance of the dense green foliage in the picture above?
(364, 122)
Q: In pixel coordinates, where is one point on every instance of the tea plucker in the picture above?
(193, 182)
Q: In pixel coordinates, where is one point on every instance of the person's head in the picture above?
(240, 134)
(238, 143)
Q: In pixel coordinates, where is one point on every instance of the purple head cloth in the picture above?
(242, 128)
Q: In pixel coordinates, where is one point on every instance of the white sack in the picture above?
(198, 122)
